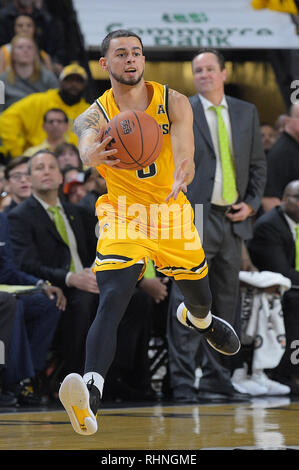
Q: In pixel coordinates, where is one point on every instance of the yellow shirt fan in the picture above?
(284, 6)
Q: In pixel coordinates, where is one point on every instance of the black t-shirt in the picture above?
(283, 165)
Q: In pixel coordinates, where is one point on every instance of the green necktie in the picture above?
(229, 190)
(297, 248)
(150, 272)
(60, 225)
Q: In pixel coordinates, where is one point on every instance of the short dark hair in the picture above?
(14, 163)
(56, 110)
(29, 163)
(118, 33)
(60, 150)
(211, 50)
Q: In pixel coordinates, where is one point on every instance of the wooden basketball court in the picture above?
(262, 423)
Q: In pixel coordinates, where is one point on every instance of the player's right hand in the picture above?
(95, 153)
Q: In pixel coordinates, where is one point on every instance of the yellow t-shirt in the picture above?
(21, 125)
(285, 6)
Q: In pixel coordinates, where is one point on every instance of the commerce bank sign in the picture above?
(190, 24)
(178, 36)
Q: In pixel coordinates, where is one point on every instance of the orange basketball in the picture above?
(137, 138)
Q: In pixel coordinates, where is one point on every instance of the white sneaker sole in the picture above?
(182, 320)
(74, 396)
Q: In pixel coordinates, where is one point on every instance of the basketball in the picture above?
(137, 138)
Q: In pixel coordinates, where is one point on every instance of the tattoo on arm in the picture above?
(88, 121)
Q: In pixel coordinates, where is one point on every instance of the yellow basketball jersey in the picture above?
(153, 184)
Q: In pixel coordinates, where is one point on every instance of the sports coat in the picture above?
(38, 246)
(272, 247)
(250, 160)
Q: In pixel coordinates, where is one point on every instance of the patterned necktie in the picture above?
(229, 190)
(60, 225)
(297, 248)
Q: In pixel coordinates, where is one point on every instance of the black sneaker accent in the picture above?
(94, 396)
(220, 335)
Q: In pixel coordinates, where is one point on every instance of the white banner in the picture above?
(189, 23)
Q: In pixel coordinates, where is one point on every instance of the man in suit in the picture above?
(43, 250)
(282, 163)
(223, 127)
(28, 334)
(273, 248)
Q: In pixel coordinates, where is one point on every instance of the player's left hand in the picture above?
(180, 178)
(243, 211)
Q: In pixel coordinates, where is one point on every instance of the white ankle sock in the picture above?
(200, 322)
(98, 380)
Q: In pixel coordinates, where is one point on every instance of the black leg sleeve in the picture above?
(116, 289)
(197, 296)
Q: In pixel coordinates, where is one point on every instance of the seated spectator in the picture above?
(21, 125)
(283, 164)
(274, 248)
(7, 312)
(68, 155)
(55, 240)
(23, 26)
(71, 173)
(280, 123)
(18, 183)
(5, 198)
(56, 127)
(35, 320)
(95, 186)
(74, 184)
(294, 110)
(49, 30)
(269, 136)
(25, 75)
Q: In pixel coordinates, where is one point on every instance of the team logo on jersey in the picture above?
(161, 109)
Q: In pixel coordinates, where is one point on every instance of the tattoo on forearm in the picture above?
(88, 121)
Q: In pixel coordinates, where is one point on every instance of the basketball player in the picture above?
(121, 260)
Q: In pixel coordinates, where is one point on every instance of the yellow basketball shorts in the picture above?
(165, 234)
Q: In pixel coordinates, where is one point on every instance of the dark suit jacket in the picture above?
(38, 247)
(9, 274)
(272, 247)
(250, 159)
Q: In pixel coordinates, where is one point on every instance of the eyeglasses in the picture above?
(18, 176)
(295, 196)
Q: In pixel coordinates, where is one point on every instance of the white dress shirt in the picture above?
(211, 118)
(292, 224)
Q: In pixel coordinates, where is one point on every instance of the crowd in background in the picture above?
(43, 96)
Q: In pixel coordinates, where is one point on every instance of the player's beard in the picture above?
(126, 81)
